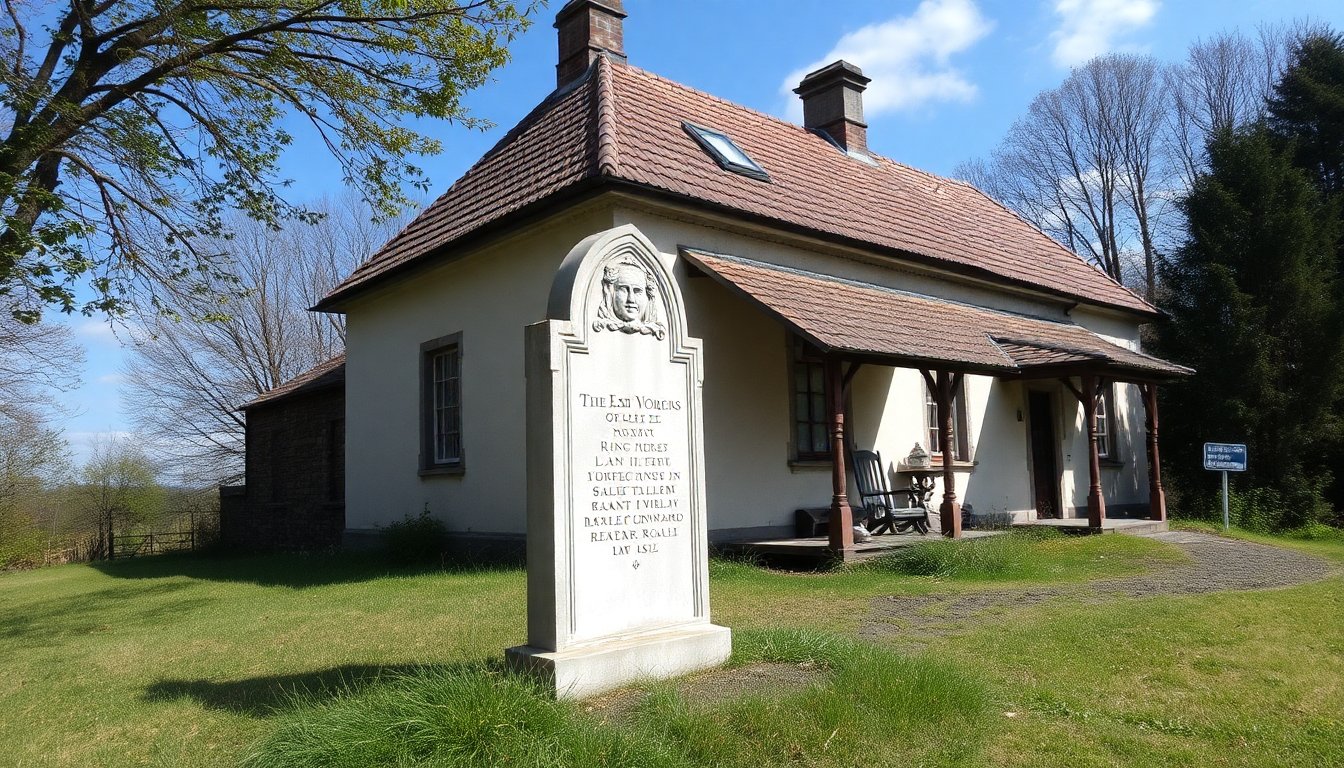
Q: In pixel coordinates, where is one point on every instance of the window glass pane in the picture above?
(445, 388)
(820, 441)
(725, 147)
(805, 437)
(816, 377)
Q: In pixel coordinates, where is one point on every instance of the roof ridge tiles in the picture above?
(604, 103)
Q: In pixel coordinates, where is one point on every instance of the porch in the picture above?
(812, 552)
(858, 327)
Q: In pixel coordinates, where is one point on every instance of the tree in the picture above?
(120, 489)
(36, 361)
(190, 370)
(1252, 304)
(1307, 107)
(1222, 85)
(1084, 164)
(130, 123)
(32, 458)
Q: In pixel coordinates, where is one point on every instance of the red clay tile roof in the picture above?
(622, 125)
(328, 374)
(914, 330)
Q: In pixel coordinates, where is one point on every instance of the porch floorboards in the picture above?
(813, 551)
(810, 552)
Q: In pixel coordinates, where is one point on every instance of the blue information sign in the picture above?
(1225, 457)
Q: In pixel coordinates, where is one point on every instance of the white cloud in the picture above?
(908, 58)
(1090, 28)
(111, 378)
(100, 331)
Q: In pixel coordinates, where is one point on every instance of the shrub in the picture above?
(1262, 509)
(20, 542)
(415, 540)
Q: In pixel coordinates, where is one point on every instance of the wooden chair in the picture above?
(880, 502)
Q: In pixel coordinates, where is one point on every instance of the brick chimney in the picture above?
(833, 103)
(588, 28)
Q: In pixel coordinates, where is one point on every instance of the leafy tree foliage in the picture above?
(1307, 108)
(1254, 307)
(120, 489)
(127, 124)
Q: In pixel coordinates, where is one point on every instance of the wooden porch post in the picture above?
(842, 517)
(949, 513)
(1096, 505)
(1157, 498)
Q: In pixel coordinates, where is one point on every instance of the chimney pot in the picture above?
(588, 29)
(833, 103)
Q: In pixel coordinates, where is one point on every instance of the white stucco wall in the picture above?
(488, 297)
(752, 487)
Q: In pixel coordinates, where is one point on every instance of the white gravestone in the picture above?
(617, 578)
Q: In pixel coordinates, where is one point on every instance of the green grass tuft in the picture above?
(866, 700)
(1009, 555)
(468, 715)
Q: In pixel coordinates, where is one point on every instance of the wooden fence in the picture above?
(188, 531)
(152, 543)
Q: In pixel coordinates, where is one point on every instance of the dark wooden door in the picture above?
(1044, 469)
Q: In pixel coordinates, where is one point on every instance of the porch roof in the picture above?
(893, 327)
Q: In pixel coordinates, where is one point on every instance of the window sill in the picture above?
(937, 467)
(809, 465)
(458, 469)
(1112, 464)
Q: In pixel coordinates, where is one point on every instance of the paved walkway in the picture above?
(1217, 564)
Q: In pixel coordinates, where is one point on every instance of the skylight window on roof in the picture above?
(729, 156)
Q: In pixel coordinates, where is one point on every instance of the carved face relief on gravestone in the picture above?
(630, 302)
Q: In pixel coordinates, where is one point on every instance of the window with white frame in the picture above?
(961, 450)
(441, 409)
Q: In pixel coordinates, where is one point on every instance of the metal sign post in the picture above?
(1227, 526)
(1225, 457)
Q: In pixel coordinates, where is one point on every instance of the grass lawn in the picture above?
(339, 661)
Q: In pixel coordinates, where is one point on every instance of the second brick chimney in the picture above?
(588, 29)
(833, 103)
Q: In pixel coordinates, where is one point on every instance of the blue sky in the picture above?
(949, 77)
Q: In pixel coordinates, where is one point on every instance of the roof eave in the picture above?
(594, 185)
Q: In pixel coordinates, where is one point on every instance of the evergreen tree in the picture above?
(1307, 108)
(1252, 304)
(1306, 114)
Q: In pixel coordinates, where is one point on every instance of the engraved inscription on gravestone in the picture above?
(617, 571)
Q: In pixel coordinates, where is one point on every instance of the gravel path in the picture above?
(1218, 564)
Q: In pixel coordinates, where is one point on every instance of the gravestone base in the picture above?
(587, 670)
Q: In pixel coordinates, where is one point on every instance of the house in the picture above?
(295, 467)
(843, 299)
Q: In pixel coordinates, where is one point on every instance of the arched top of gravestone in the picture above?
(615, 282)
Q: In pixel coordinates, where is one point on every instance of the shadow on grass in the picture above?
(297, 571)
(46, 622)
(277, 694)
